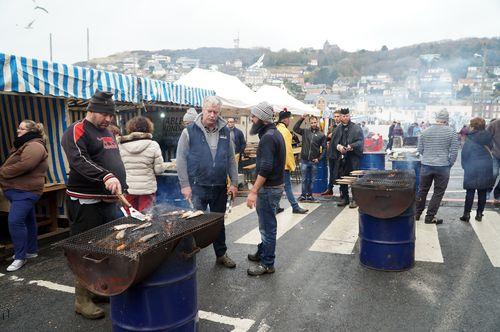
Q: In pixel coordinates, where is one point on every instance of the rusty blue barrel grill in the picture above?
(373, 161)
(386, 202)
(152, 284)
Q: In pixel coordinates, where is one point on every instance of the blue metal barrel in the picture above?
(406, 164)
(164, 301)
(321, 181)
(373, 160)
(169, 190)
(387, 244)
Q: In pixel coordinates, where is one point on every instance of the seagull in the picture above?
(30, 25)
(41, 8)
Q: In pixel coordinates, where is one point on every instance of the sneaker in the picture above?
(226, 261)
(260, 270)
(353, 205)
(254, 257)
(433, 220)
(16, 265)
(327, 192)
(35, 255)
(311, 199)
(300, 210)
(302, 198)
(279, 210)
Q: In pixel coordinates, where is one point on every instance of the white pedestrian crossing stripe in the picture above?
(238, 212)
(286, 221)
(488, 232)
(341, 235)
(427, 246)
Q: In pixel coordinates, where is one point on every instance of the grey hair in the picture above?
(212, 101)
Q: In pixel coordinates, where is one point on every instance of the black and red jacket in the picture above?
(93, 158)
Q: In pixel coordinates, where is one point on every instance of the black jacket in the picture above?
(312, 141)
(477, 161)
(349, 161)
(270, 161)
(93, 158)
(239, 140)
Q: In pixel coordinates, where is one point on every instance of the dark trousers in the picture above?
(215, 198)
(83, 217)
(22, 222)
(440, 175)
(481, 200)
(331, 178)
(344, 192)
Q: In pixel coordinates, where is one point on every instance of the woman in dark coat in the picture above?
(477, 163)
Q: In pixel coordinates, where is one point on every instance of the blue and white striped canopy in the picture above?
(20, 74)
(161, 91)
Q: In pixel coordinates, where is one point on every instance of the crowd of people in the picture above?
(104, 164)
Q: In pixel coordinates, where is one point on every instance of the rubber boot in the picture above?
(84, 305)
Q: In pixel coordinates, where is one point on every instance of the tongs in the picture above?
(229, 203)
(133, 212)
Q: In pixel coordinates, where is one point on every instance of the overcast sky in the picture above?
(120, 25)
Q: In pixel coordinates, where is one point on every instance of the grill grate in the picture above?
(382, 180)
(102, 239)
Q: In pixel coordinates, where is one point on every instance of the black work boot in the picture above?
(260, 270)
(433, 220)
(479, 216)
(300, 210)
(254, 257)
(465, 217)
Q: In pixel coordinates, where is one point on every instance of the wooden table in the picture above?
(50, 197)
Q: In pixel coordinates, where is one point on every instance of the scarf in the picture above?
(21, 140)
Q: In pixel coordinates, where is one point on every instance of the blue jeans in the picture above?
(267, 203)
(22, 222)
(309, 170)
(289, 192)
(214, 197)
(496, 172)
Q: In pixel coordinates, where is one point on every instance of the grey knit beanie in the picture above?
(263, 111)
(190, 115)
(442, 115)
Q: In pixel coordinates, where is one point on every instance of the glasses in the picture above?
(21, 128)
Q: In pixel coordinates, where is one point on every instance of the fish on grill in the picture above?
(173, 213)
(121, 234)
(192, 214)
(145, 225)
(146, 238)
(123, 226)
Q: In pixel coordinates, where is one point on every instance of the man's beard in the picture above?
(256, 127)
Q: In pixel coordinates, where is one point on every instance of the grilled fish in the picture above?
(145, 238)
(123, 226)
(121, 234)
(147, 224)
(195, 214)
(173, 213)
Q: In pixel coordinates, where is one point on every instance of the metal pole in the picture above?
(88, 45)
(483, 77)
(50, 45)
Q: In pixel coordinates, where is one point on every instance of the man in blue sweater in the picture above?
(438, 146)
(268, 187)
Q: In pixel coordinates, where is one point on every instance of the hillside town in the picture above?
(378, 98)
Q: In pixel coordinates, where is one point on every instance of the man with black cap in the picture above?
(268, 187)
(282, 126)
(347, 145)
(96, 176)
(330, 154)
(313, 141)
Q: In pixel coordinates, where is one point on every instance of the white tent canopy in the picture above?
(232, 92)
(279, 98)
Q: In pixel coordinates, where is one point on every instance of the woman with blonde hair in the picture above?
(22, 178)
(477, 162)
(142, 158)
